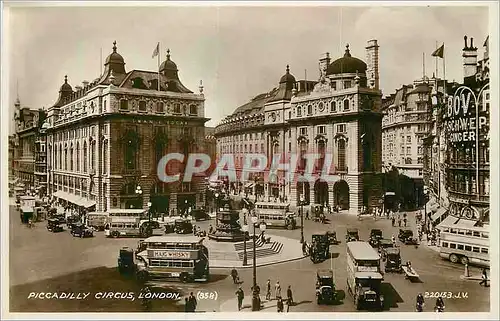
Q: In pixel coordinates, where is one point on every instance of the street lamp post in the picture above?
(426, 193)
(138, 191)
(255, 292)
(149, 211)
(245, 232)
(301, 200)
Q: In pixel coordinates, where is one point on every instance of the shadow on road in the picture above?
(391, 296)
(334, 255)
(125, 293)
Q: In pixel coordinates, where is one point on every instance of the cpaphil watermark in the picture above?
(307, 167)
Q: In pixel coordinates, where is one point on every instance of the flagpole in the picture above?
(158, 67)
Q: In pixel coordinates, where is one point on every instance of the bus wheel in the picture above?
(464, 260)
(289, 226)
(115, 234)
(142, 276)
(453, 258)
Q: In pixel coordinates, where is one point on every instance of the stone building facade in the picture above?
(338, 115)
(106, 138)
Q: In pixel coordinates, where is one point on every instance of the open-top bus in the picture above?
(275, 214)
(462, 241)
(182, 257)
(364, 276)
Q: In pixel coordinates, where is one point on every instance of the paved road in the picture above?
(43, 261)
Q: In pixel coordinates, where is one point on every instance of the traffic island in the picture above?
(278, 250)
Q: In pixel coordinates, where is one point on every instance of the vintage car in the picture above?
(126, 262)
(183, 226)
(352, 235)
(169, 228)
(81, 230)
(404, 235)
(54, 225)
(332, 237)
(200, 215)
(384, 245)
(72, 220)
(325, 288)
(375, 236)
(393, 260)
(320, 248)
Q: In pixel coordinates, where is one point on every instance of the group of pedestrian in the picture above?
(190, 303)
(240, 294)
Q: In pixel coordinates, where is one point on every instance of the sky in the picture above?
(238, 52)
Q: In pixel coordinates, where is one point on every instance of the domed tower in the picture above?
(343, 71)
(65, 93)
(115, 63)
(287, 83)
(170, 76)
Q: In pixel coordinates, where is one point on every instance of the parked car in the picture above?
(80, 230)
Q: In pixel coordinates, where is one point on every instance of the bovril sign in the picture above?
(460, 118)
(166, 254)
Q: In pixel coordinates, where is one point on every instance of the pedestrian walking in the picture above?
(393, 220)
(268, 290)
(240, 295)
(399, 221)
(280, 306)
(187, 308)
(484, 277)
(277, 290)
(192, 302)
(393, 239)
(289, 295)
(307, 214)
(234, 275)
(404, 221)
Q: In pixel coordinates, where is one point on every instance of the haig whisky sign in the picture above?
(462, 123)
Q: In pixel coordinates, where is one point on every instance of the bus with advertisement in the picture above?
(179, 257)
(364, 276)
(463, 242)
(276, 215)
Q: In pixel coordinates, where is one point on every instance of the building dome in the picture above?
(66, 88)
(114, 57)
(168, 64)
(346, 65)
(287, 78)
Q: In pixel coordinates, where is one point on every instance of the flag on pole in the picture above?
(156, 52)
(439, 52)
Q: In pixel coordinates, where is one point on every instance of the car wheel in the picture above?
(453, 258)
(115, 234)
(464, 260)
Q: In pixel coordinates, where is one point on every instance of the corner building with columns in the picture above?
(338, 115)
(106, 138)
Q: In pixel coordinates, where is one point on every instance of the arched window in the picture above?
(71, 161)
(341, 153)
(55, 158)
(130, 151)
(78, 156)
(333, 106)
(299, 111)
(321, 152)
(193, 109)
(309, 110)
(346, 104)
(85, 157)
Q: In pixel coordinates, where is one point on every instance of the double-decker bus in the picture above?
(461, 241)
(364, 276)
(182, 257)
(275, 214)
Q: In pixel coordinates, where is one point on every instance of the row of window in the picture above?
(465, 232)
(169, 263)
(345, 106)
(160, 107)
(340, 128)
(124, 226)
(76, 133)
(268, 217)
(463, 247)
(466, 183)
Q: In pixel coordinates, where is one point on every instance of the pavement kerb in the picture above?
(248, 266)
(231, 305)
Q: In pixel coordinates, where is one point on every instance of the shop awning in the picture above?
(74, 199)
(439, 213)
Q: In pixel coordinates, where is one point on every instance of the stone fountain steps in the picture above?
(241, 245)
(265, 250)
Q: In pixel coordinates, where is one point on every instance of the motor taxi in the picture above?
(80, 230)
(320, 248)
(393, 260)
(54, 226)
(325, 288)
(352, 235)
(183, 226)
(375, 236)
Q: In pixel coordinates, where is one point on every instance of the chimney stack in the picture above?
(324, 62)
(85, 83)
(469, 54)
(372, 71)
